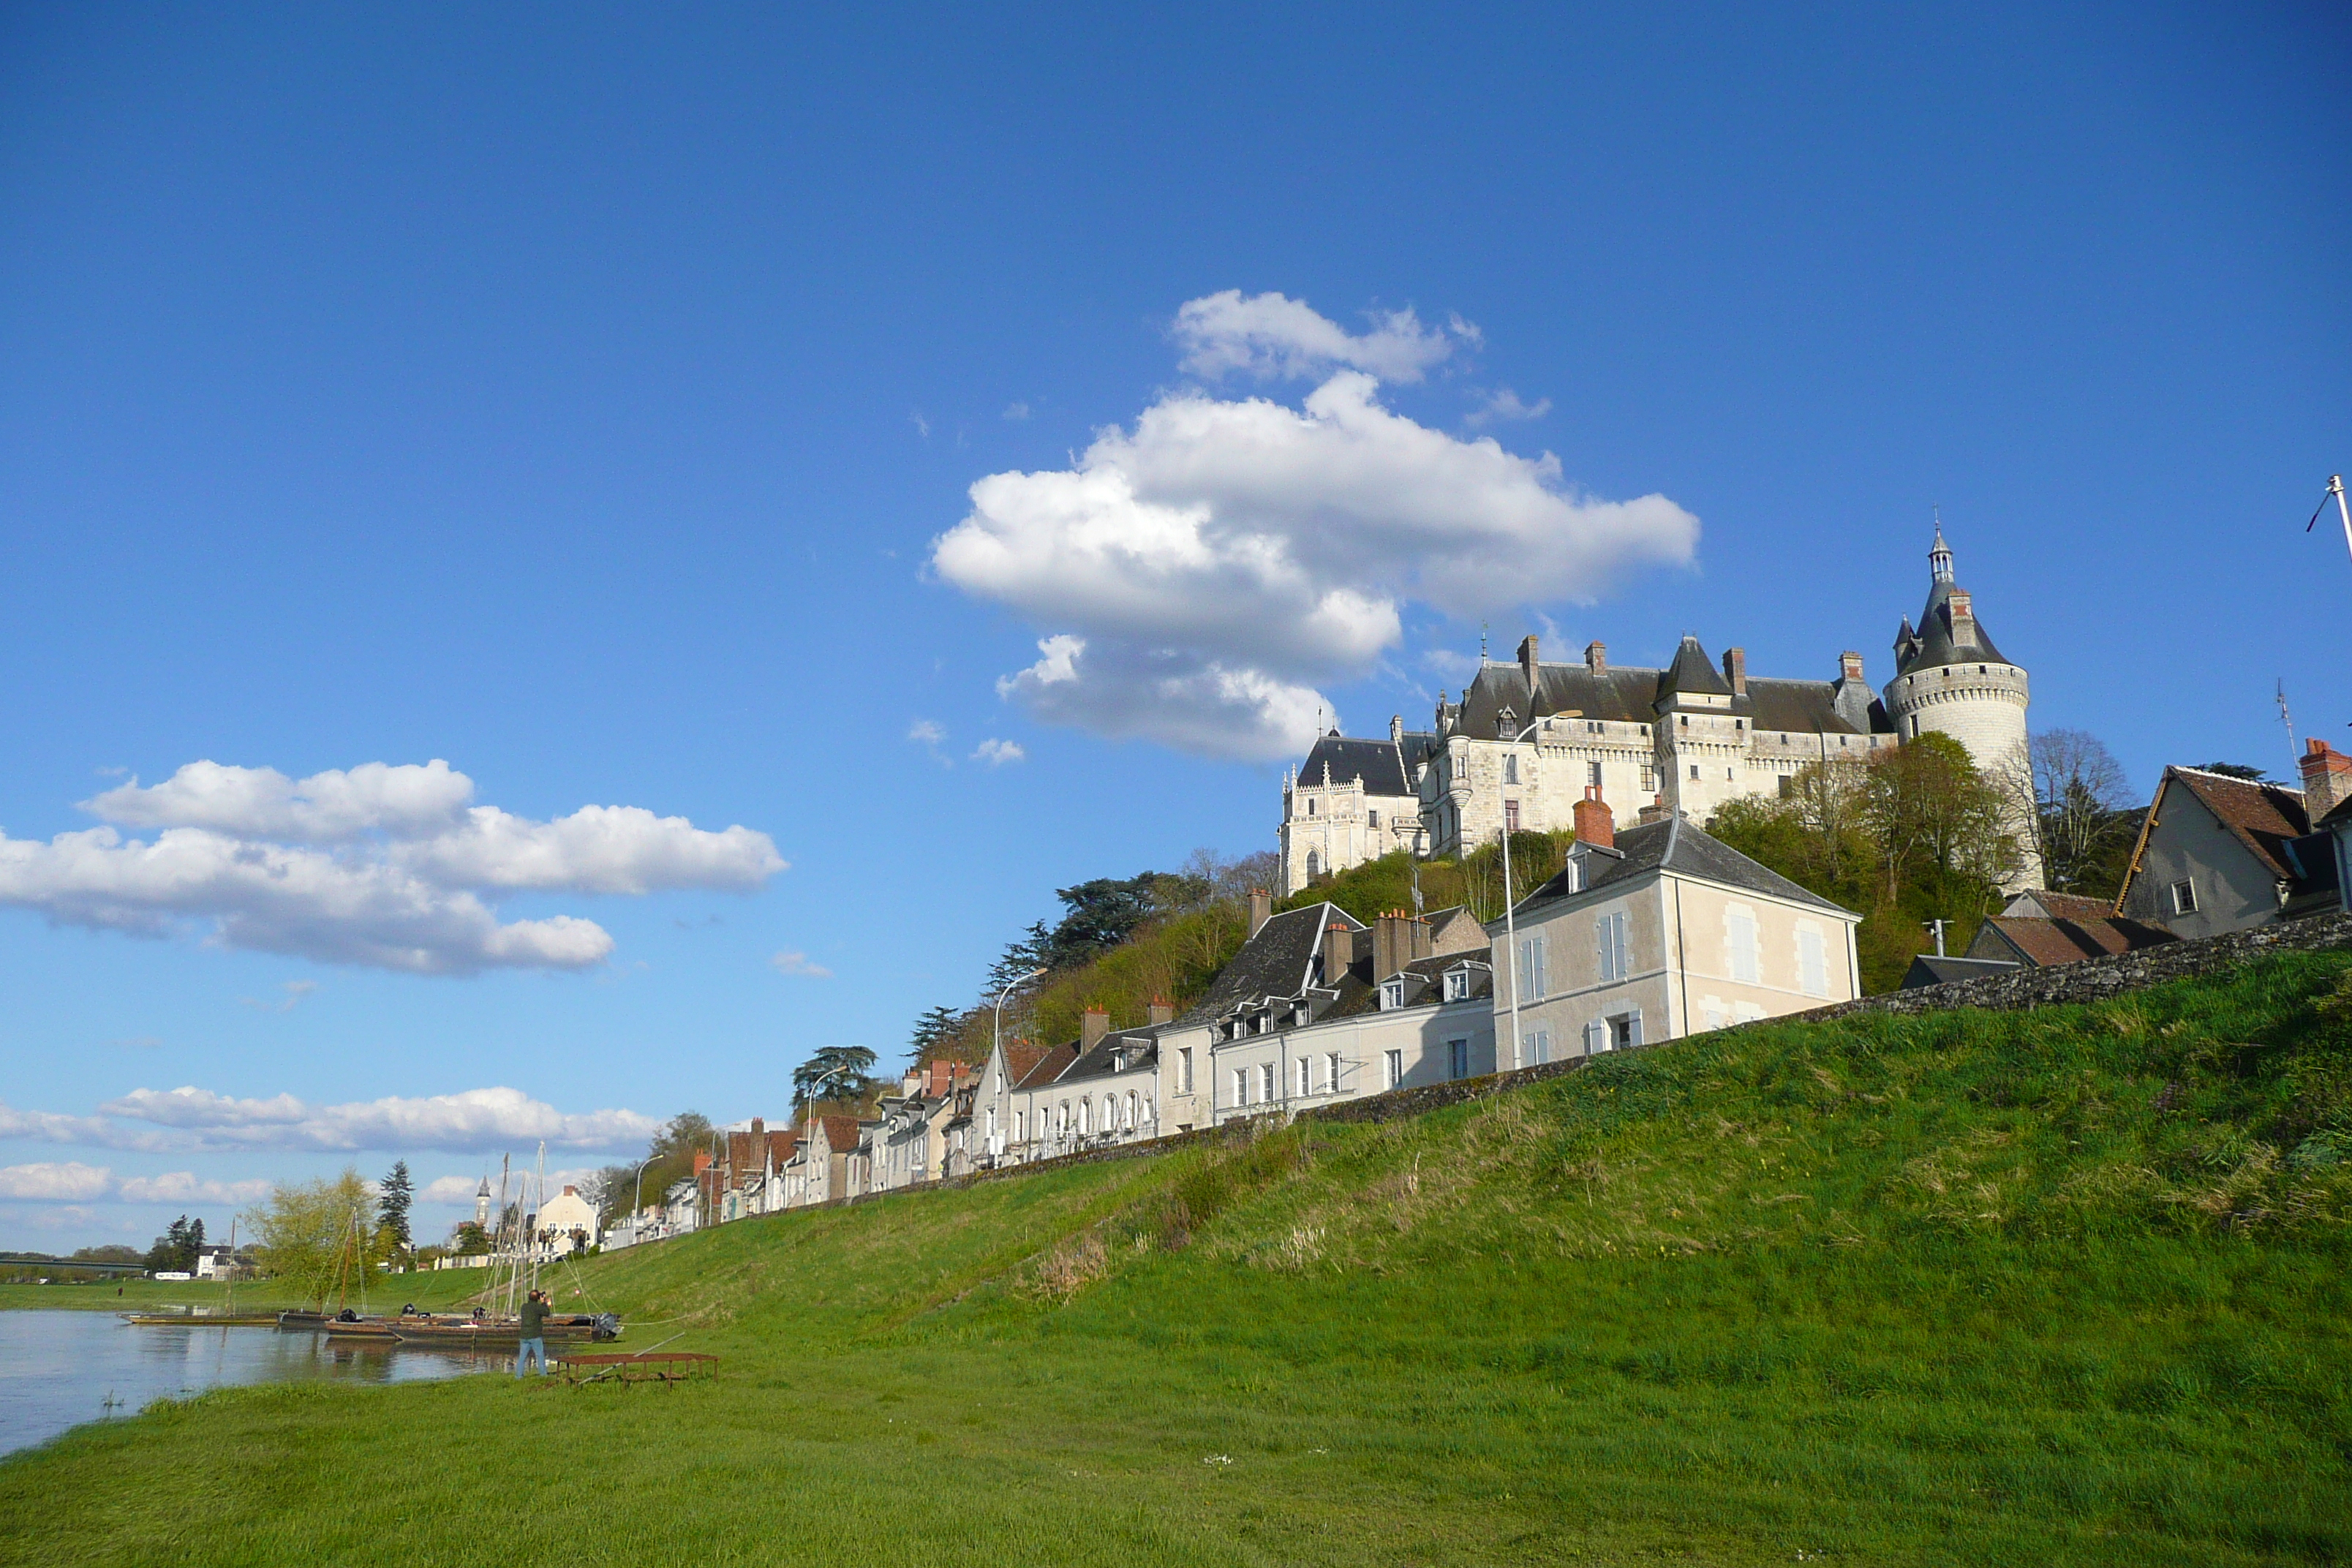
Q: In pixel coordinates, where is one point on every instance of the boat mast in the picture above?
(540, 1210)
(499, 1251)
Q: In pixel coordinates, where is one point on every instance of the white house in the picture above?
(1661, 932)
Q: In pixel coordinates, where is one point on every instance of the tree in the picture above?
(2082, 809)
(176, 1249)
(394, 1197)
(935, 1028)
(843, 1071)
(309, 1233)
(2236, 770)
(470, 1240)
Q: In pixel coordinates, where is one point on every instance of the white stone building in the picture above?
(1661, 932)
(1529, 738)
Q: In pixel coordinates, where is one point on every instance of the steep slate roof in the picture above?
(2261, 816)
(1051, 1063)
(1928, 969)
(1359, 994)
(1273, 963)
(1674, 845)
(2045, 943)
(1630, 695)
(1932, 644)
(1140, 1046)
(1383, 766)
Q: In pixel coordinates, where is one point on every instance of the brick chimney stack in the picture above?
(1655, 811)
(1595, 823)
(1963, 619)
(1163, 1011)
(1397, 940)
(2327, 780)
(1093, 1025)
(1261, 908)
(1850, 666)
(1734, 670)
(1528, 662)
(1339, 953)
(1596, 657)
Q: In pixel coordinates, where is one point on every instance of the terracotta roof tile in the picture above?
(2262, 816)
(2045, 943)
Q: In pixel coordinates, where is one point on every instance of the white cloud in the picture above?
(1273, 335)
(181, 1187)
(1016, 411)
(926, 732)
(50, 1126)
(996, 752)
(1504, 404)
(1172, 696)
(69, 1183)
(295, 991)
(476, 1120)
(1197, 575)
(797, 963)
(385, 866)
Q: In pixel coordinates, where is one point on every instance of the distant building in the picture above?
(566, 1223)
(1352, 801)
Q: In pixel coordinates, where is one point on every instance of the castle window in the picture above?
(1592, 775)
(1788, 787)
(1649, 779)
(1510, 770)
(1310, 805)
(1374, 817)
(1511, 816)
(1693, 771)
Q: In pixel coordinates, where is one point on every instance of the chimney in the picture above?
(1655, 811)
(1339, 953)
(1397, 940)
(571, 1192)
(1734, 670)
(1850, 666)
(1595, 824)
(1396, 729)
(1261, 908)
(758, 1127)
(1163, 1011)
(2327, 780)
(1528, 668)
(1963, 619)
(701, 1160)
(1093, 1025)
(1596, 657)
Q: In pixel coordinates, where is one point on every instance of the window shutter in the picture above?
(1601, 942)
(1633, 1032)
(1596, 1038)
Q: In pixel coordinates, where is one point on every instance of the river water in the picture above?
(59, 1369)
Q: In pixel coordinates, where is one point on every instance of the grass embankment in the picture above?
(2056, 1287)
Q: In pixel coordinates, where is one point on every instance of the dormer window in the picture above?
(1392, 995)
(1457, 984)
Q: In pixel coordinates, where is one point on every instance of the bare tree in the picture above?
(2081, 802)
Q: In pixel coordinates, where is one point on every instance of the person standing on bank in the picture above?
(534, 1333)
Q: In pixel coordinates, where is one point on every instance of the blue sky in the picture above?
(580, 398)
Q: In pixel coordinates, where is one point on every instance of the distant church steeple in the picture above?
(1939, 558)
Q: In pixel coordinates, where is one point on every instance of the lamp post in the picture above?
(809, 1115)
(639, 1207)
(997, 1037)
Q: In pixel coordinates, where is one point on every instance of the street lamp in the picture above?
(639, 1207)
(1510, 922)
(997, 1037)
(809, 1115)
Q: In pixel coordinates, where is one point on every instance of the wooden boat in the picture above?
(202, 1320)
(296, 1319)
(465, 1332)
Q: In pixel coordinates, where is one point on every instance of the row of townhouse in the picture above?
(1650, 934)
(1646, 935)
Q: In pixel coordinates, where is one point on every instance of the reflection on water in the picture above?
(60, 1369)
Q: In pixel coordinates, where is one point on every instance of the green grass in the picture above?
(2058, 1287)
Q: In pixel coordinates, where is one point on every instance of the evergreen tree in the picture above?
(394, 1197)
(934, 1028)
(842, 1070)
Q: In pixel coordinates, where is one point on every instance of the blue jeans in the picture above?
(531, 1348)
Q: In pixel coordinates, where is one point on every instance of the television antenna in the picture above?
(2287, 718)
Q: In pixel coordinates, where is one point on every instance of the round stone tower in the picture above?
(1951, 680)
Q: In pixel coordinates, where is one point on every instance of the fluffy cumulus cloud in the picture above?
(71, 1181)
(793, 961)
(997, 753)
(388, 866)
(1198, 574)
(189, 1120)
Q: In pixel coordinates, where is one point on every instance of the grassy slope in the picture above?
(1974, 1287)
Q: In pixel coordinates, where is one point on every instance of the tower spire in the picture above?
(1939, 558)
